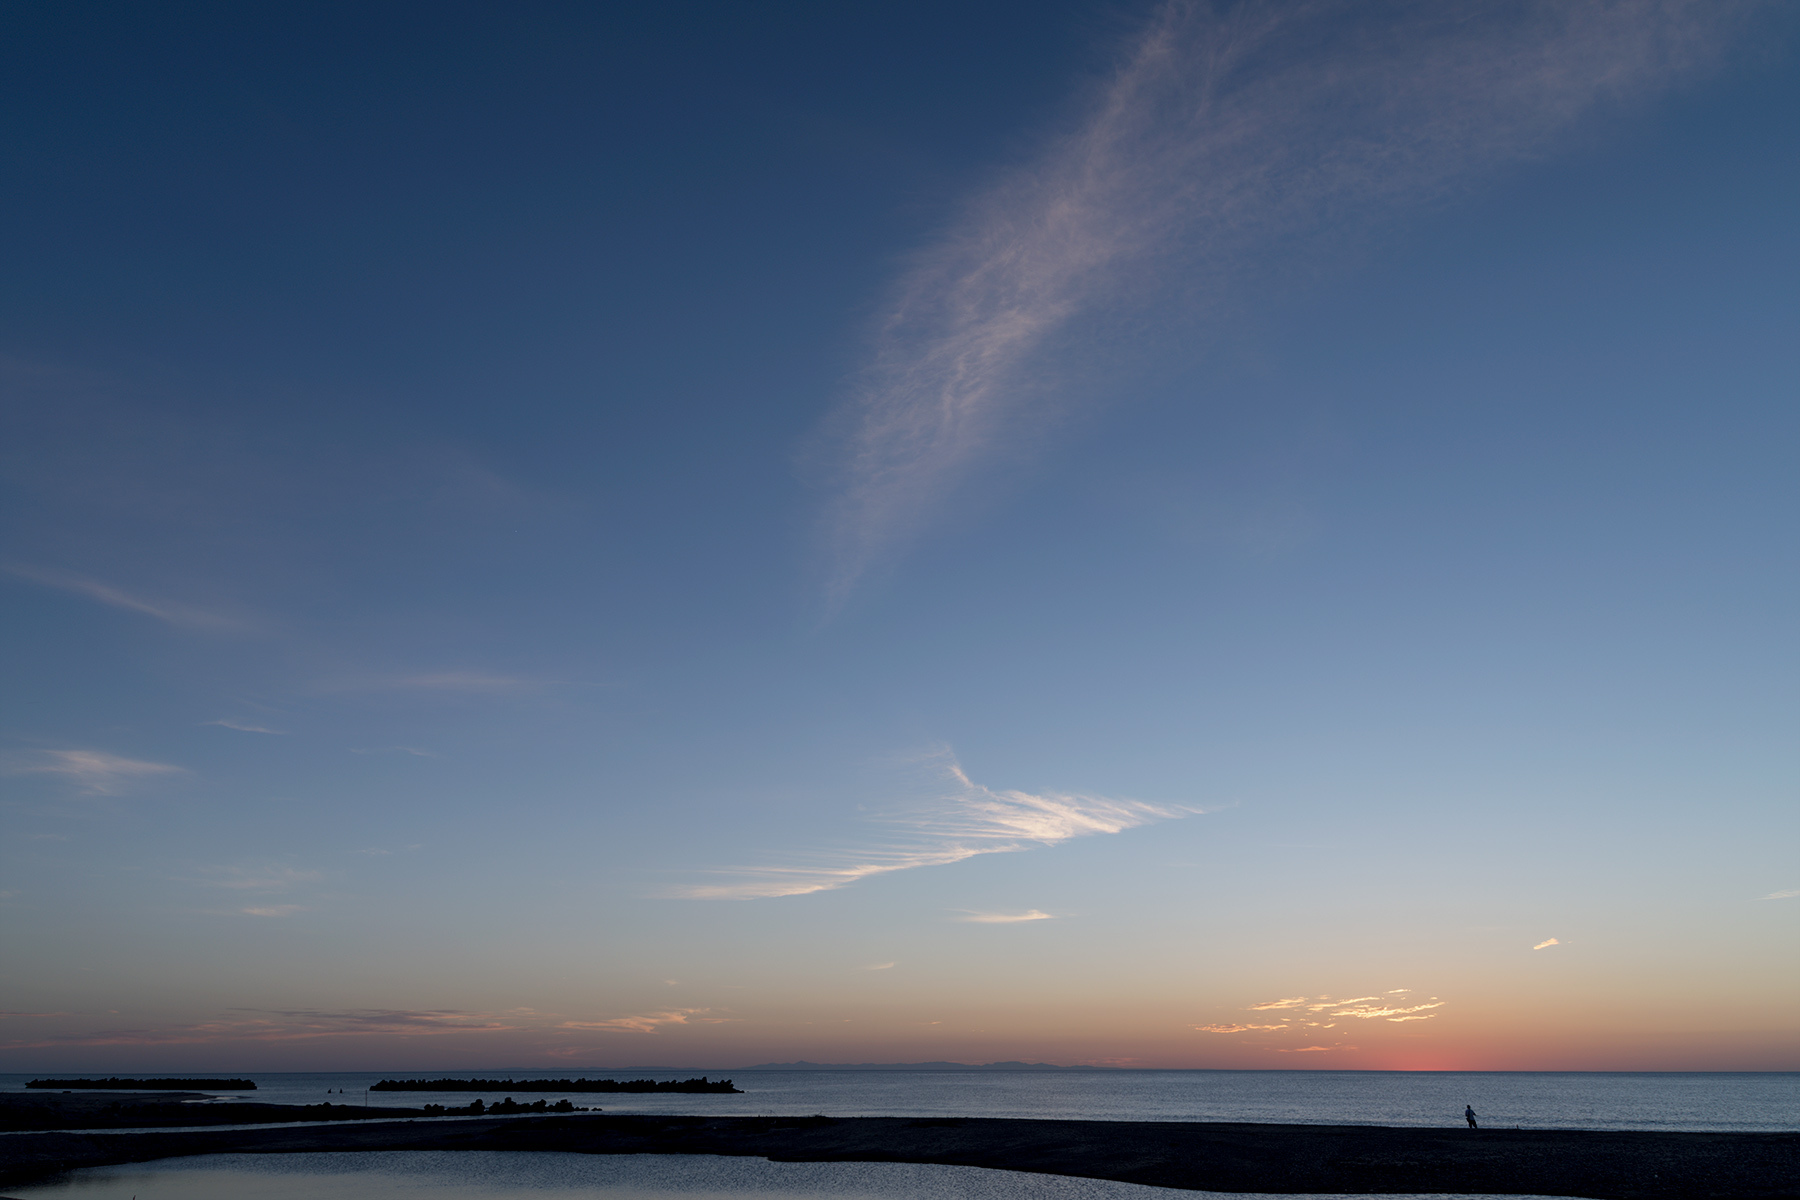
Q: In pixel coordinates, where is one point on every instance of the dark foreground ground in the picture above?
(1214, 1157)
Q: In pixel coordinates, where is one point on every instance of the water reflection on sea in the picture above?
(520, 1175)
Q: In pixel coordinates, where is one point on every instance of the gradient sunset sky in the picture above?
(553, 534)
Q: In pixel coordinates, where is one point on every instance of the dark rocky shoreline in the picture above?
(1601, 1165)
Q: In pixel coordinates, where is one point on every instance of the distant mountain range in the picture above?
(803, 1065)
(917, 1066)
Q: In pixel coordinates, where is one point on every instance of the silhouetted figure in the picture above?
(1469, 1116)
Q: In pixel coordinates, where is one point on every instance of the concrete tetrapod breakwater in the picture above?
(1602, 1165)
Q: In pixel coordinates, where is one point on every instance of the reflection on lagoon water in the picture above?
(533, 1175)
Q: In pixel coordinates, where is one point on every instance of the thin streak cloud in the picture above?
(967, 820)
(1004, 918)
(243, 726)
(1546, 943)
(467, 682)
(647, 1022)
(96, 772)
(181, 615)
(1222, 133)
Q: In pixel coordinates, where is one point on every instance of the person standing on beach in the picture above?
(1469, 1116)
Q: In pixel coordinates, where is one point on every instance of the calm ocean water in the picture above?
(1532, 1100)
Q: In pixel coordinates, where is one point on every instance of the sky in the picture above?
(1253, 535)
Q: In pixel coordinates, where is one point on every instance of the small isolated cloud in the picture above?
(965, 820)
(1788, 894)
(243, 726)
(273, 910)
(647, 1022)
(1004, 918)
(181, 615)
(1547, 942)
(96, 772)
(412, 750)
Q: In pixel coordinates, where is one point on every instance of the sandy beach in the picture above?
(1602, 1165)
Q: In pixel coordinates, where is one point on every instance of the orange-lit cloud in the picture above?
(1546, 942)
(1294, 1015)
(1234, 1028)
(1369, 1013)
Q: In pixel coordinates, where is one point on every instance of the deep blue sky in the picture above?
(453, 400)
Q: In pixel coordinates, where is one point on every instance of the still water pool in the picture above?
(519, 1175)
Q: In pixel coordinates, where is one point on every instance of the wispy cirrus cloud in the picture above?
(1546, 943)
(1786, 894)
(1236, 1028)
(1224, 134)
(1004, 918)
(965, 820)
(182, 615)
(94, 772)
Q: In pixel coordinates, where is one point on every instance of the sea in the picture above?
(1672, 1101)
(1767, 1102)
